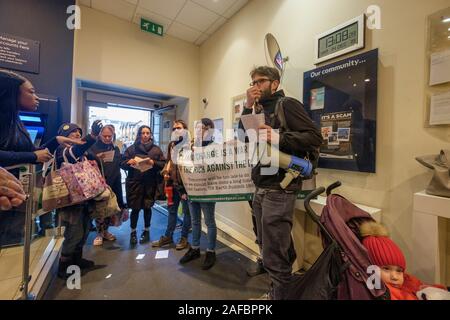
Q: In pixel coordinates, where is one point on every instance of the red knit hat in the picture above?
(383, 252)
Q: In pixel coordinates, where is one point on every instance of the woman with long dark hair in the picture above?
(18, 94)
(141, 184)
(16, 147)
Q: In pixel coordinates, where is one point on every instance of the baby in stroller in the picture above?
(384, 253)
(353, 243)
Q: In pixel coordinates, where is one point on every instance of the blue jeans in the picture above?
(173, 213)
(208, 209)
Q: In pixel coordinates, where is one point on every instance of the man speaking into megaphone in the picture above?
(289, 131)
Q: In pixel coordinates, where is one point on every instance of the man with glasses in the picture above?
(273, 207)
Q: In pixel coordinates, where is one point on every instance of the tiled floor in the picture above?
(11, 266)
(119, 274)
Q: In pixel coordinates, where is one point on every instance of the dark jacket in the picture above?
(141, 186)
(22, 151)
(16, 146)
(173, 171)
(302, 138)
(77, 150)
(111, 169)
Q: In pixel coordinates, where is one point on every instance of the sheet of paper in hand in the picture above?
(108, 156)
(253, 121)
(142, 164)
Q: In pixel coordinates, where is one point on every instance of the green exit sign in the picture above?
(152, 27)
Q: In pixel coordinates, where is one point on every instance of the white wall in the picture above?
(114, 51)
(227, 58)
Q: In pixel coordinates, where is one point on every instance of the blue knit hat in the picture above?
(68, 128)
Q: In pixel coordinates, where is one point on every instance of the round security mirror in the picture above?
(274, 56)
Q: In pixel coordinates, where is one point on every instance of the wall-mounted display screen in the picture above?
(341, 98)
(339, 40)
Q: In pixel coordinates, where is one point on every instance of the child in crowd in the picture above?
(384, 253)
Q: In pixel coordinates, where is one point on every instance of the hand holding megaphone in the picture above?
(293, 165)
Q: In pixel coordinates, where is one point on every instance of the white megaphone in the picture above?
(295, 167)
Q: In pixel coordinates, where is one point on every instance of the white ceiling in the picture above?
(190, 20)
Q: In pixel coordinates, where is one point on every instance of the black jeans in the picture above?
(274, 211)
(134, 217)
(76, 230)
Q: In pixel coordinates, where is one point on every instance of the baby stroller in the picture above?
(341, 270)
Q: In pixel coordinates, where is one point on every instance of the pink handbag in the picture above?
(83, 179)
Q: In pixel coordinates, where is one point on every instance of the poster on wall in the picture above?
(237, 107)
(341, 98)
(19, 53)
(218, 130)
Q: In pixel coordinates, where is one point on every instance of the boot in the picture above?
(163, 241)
(82, 263)
(64, 263)
(256, 269)
(182, 244)
(145, 237)
(192, 254)
(210, 260)
(133, 238)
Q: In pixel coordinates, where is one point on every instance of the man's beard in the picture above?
(266, 94)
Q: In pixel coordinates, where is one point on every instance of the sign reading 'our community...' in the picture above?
(19, 53)
(152, 27)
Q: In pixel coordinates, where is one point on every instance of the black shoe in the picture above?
(210, 260)
(256, 269)
(62, 268)
(82, 263)
(192, 254)
(133, 238)
(145, 237)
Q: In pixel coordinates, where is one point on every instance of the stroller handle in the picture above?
(333, 186)
(313, 215)
(307, 204)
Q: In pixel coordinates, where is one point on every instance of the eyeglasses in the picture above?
(259, 81)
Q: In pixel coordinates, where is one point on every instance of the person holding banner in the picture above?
(273, 206)
(175, 189)
(203, 137)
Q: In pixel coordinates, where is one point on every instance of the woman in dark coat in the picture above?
(141, 186)
(16, 147)
(104, 144)
(18, 94)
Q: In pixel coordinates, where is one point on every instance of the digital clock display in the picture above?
(338, 40)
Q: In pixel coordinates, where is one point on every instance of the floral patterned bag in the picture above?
(83, 179)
